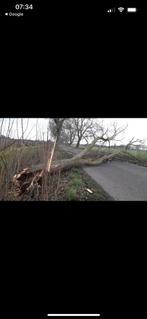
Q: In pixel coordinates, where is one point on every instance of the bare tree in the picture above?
(114, 131)
(36, 129)
(133, 141)
(56, 125)
(68, 132)
(22, 131)
(22, 128)
(48, 130)
(1, 126)
(83, 129)
(6, 131)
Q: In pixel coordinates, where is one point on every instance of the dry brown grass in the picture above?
(14, 160)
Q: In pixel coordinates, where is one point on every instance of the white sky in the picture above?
(137, 127)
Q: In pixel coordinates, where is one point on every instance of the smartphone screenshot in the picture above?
(83, 62)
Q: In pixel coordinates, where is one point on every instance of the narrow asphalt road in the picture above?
(121, 180)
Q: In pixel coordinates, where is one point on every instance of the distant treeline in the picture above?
(7, 141)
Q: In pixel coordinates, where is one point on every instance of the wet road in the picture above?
(121, 180)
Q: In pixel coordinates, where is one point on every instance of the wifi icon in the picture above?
(121, 9)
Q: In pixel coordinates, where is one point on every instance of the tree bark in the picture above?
(78, 143)
(30, 178)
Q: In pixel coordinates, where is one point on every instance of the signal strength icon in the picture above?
(111, 10)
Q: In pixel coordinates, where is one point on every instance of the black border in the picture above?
(91, 70)
(76, 257)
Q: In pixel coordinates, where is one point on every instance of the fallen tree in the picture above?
(31, 178)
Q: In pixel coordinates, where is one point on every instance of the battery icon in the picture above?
(131, 9)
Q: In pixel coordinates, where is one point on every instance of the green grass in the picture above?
(137, 157)
(75, 179)
(74, 185)
(105, 149)
(77, 184)
(71, 194)
(141, 155)
(25, 150)
(25, 154)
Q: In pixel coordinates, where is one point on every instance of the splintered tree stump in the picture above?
(27, 180)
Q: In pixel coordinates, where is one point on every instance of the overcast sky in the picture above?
(136, 128)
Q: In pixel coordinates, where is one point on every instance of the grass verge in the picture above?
(73, 186)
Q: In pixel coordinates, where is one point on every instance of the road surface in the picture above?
(121, 180)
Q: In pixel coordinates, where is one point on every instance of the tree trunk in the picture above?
(28, 179)
(78, 144)
(58, 136)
